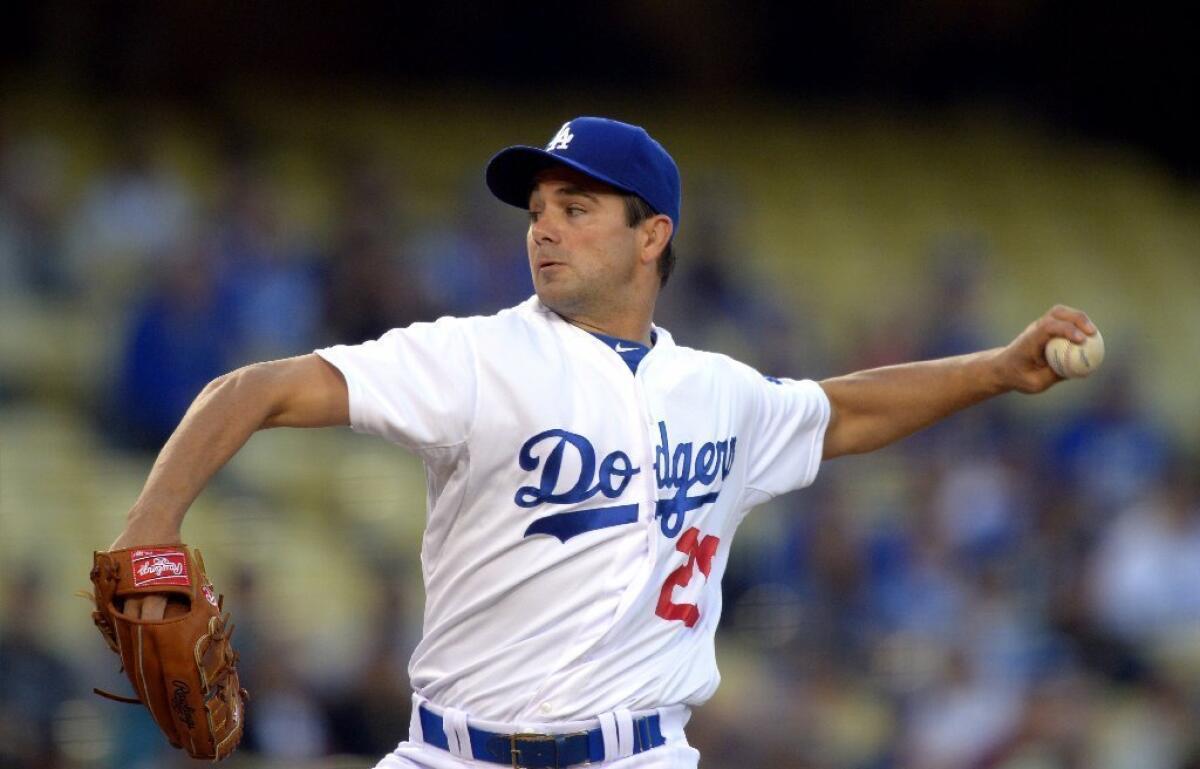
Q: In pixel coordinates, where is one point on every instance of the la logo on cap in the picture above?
(562, 138)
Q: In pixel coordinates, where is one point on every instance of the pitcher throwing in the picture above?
(586, 474)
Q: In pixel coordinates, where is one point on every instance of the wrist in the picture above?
(146, 529)
(994, 371)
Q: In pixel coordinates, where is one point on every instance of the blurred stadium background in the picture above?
(189, 187)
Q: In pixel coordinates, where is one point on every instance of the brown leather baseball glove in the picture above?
(182, 666)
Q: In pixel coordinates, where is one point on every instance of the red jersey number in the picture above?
(700, 551)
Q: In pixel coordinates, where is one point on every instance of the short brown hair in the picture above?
(637, 211)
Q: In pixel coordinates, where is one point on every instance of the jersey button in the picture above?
(546, 707)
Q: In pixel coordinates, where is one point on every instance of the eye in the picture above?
(533, 216)
(575, 210)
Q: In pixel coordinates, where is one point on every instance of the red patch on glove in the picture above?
(160, 566)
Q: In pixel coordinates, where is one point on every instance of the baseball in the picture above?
(1073, 361)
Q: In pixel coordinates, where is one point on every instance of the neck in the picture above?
(633, 329)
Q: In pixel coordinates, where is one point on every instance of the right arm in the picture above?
(305, 391)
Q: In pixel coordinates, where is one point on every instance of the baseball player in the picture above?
(586, 474)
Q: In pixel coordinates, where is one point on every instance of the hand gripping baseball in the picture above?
(1023, 362)
(180, 663)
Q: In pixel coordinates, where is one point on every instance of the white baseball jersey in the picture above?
(579, 514)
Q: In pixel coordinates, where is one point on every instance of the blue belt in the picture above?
(541, 751)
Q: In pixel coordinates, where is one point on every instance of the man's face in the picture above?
(581, 251)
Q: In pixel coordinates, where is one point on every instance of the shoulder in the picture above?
(724, 375)
(715, 365)
(510, 340)
(509, 320)
(531, 312)
(509, 326)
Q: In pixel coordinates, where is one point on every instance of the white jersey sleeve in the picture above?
(789, 435)
(415, 386)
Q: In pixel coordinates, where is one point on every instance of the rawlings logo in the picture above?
(159, 567)
(179, 703)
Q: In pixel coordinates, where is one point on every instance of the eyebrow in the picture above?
(580, 191)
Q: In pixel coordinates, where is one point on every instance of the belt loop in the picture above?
(416, 732)
(625, 734)
(454, 722)
(608, 730)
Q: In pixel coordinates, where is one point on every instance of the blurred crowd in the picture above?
(1000, 591)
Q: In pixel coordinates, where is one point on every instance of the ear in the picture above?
(653, 236)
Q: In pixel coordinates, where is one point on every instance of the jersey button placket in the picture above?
(648, 429)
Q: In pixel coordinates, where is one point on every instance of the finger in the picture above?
(154, 607)
(1065, 328)
(1078, 318)
(1044, 379)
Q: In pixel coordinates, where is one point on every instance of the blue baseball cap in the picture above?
(616, 153)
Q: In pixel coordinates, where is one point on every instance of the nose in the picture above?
(542, 230)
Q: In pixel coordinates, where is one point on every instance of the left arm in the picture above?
(873, 408)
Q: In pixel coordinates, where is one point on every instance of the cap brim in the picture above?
(510, 173)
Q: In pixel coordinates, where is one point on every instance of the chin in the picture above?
(557, 297)
(548, 296)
